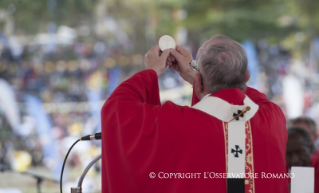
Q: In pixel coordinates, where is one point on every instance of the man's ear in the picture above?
(247, 76)
(199, 86)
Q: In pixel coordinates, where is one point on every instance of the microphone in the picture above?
(79, 188)
(95, 136)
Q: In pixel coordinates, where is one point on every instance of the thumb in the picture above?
(176, 55)
(165, 54)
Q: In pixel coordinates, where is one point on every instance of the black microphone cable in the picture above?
(64, 164)
(95, 136)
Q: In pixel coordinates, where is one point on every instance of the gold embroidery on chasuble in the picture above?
(249, 158)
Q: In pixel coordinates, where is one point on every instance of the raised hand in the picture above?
(179, 60)
(156, 60)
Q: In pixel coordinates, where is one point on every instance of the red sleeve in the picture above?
(132, 108)
(140, 88)
(128, 115)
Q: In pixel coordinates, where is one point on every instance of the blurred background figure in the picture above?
(299, 147)
(299, 151)
(309, 125)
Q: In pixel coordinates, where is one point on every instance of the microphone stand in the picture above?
(79, 188)
(38, 177)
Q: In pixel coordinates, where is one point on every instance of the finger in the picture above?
(177, 68)
(165, 54)
(160, 53)
(182, 51)
(172, 67)
(179, 57)
(156, 49)
(170, 59)
(173, 60)
(169, 63)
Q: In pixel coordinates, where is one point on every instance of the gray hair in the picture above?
(223, 65)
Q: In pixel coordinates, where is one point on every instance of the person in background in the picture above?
(299, 151)
(310, 126)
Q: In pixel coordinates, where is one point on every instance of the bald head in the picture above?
(222, 63)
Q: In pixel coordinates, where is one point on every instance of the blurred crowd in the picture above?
(71, 83)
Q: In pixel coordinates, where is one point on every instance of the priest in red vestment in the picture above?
(233, 139)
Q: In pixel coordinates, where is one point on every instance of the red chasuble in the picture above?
(152, 147)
